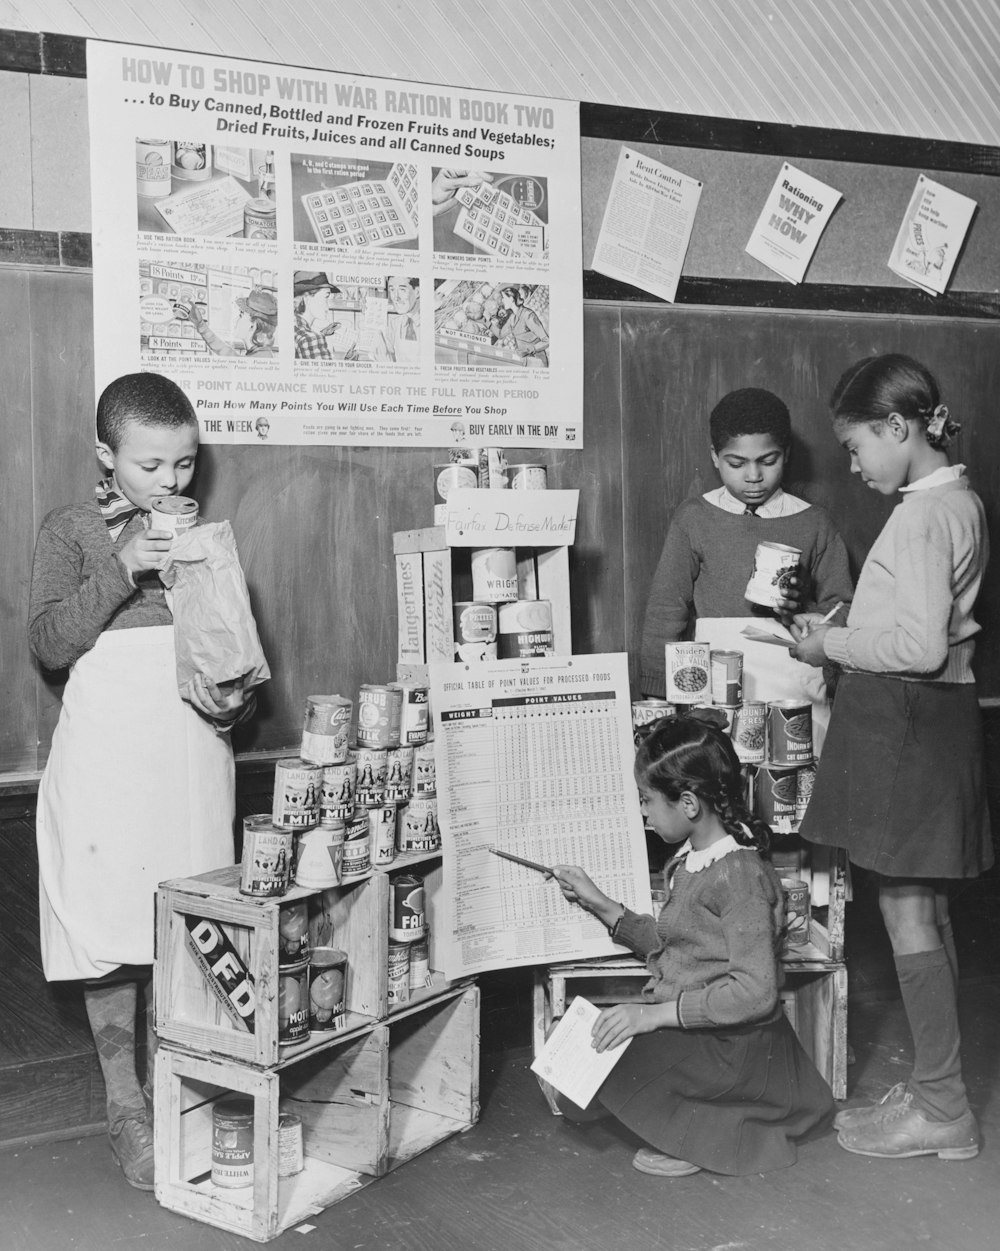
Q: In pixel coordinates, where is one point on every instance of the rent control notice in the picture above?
(535, 760)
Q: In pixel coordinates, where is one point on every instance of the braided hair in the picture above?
(879, 385)
(692, 752)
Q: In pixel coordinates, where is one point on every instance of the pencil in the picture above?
(529, 864)
(830, 615)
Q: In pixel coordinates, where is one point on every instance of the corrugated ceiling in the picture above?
(929, 68)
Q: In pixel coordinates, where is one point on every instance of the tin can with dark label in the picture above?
(319, 860)
(645, 711)
(494, 575)
(414, 716)
(525, 629)
(327, 989)
(528, 477)
(399, 775)
(259, 219)
(267, 857)
(475, 631)
(175, 513)
(750, 731)
(326, 728)
(337, 796)
(232, 1143)
(293, 932)
(290, 1156)
(297, 786)
(420, 962)
(418, 825)
(372, 765)
(796, 911)
(399, 973)
(152, 168)
(293, 1003)
(357, 846)
(774, 792)
(191, 162)
(424, 770)
(727, 678)
(805, 779)
(407, 919)
(379, 712)
(382, 828)
(459, 475)
(789, 732)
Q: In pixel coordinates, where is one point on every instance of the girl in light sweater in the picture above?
(901, 782)
(714, 1077)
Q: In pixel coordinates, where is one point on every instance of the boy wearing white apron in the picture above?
(139, 785)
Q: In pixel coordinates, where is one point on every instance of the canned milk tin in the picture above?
(293, 1003)
(357, 846)
(382, 831)
(259, 219)
(191, 162)
(399, 775)
(687, 666)
(528, 477)
(525, 629)
(414, 715)
(340, 782)
(232, 1143)
(459, 475)
(424, 770)
(175, 513)
(749, 731)
(494, 575)
(326, 727)
(727, 678)
(475, 631)
(297, 786)
(267, 857)
(319, 862)
(418, 825)
(774, 792)
(789, 731)
(773, 566)
(796, 911)
(372, 765)
(152, 168)
(399, 973)
(407, 919)
(379, 711)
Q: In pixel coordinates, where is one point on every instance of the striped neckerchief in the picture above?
(116, 510)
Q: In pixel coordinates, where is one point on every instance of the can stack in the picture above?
(409, 938)
(483, 468)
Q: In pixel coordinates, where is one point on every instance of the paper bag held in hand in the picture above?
(214, 630)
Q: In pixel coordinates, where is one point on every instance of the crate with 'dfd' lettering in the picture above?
(218, 969)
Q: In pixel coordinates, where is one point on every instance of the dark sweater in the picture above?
(707, 561)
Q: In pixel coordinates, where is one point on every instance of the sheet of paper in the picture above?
(794, 216)
(931, 235)
(210, 209)
(568, 1060)
(766, 636)
(534, 757)
(647, 224)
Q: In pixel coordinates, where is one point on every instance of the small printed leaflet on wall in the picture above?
(791, 222)
(931, 235)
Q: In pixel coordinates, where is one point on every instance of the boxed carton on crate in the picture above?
(217, 962)
(366, 1106)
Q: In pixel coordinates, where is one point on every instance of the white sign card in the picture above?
(534, 757)
(931, 235)
(321, 258)
(476, 518)
(794, 216)
(568, 1060)
(647, 224)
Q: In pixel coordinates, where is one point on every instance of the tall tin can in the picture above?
(293, 1003)
(727, 678)
(494, 575)
(750, 731)
(399, 973)
(372, 765)
(259, 219)
(475, 630)
(418, 825)
(337, 797)
(357, 846)
(687, 667)
(805, 779)
(528, 477)
(796, 894)
(266, 862)
(379, 711)
(297, 787)
(407, 916)
(424, 770)
(420, 962)
(414, 716)
(326, 727)
(789, 732)
(232, 1143)
(152, 168)
(382, 830)
(399, 775)
(774, 792)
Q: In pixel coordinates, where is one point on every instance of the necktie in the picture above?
(408, 331)
(750, 512)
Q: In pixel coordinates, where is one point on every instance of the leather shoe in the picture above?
(648, 1161)
(851, 1118)
(902, 1130)
(132, 1148)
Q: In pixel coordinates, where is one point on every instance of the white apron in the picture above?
(138, 788)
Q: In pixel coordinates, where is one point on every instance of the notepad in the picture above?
(568, 1060)
(765, 636)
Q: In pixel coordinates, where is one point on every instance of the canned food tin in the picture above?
(293, 1003)
(175, 513)
(420, 963)
(382, 829)
(319, 862)
(750, 731)
(528, 477)
(645, 711)
(475, 631)
(773, 566)
(727, 678)
(372, 766)
(232, 1143)
(407, 919)
(796, 911)
(418, 825)
(774, 792)
(424, 770)
(379, 711)
(459, 475)
(191, 162)
(687, 667)
(724, 710)
(293, 932)
(259, 219)
(494, 575)
(290, 1156)
(337, 796)
(399, 775)
(325, 729)
(399, 973)
(357, 846)
(327, 987)
(267, 857)
(805, 779)
(789, 732)
(525, 629)
(414, 715)
(297, 786)
(152, 168)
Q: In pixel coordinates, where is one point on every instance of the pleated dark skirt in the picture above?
(732, 1101)
(900, 782)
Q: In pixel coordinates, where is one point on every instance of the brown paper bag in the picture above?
(214, 630)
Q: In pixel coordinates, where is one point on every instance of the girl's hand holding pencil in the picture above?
(809, 629)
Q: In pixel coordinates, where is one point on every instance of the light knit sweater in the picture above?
(714, 947)
(912, 610)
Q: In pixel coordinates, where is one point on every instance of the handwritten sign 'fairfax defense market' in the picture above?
(511, 518)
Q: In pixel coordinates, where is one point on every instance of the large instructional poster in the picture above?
(534, 759)
(322, 258)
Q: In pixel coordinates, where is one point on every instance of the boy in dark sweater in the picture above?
(708, 555)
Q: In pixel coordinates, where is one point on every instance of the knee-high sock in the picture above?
(928, 988)
(111, 1011)
(948, 938)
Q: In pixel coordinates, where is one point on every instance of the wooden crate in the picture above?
(367, 1105)
(189, 1011)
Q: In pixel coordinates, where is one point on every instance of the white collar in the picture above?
(947, 473)
(695, 861)
(781, 504)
